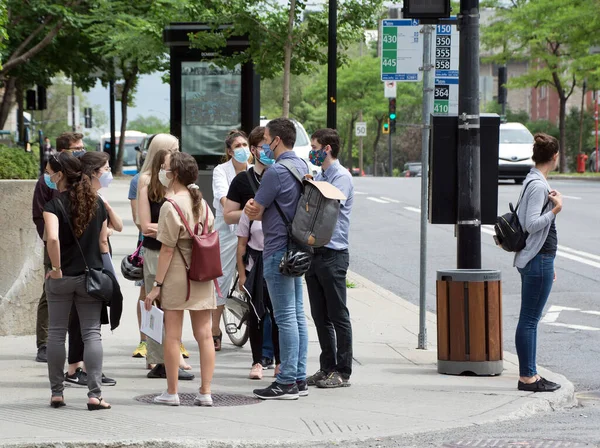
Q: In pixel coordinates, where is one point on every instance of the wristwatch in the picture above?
(157, 285)
(55, 269)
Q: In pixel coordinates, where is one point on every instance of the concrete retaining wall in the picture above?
(21, 259)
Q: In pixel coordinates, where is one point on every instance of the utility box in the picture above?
(469, 322)
(443, 168)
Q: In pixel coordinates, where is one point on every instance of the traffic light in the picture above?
(41, 98)
(107, 146)
(386, 127)
(30, 100)
(87, 112)
(393, 115)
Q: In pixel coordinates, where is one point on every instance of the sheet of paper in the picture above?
(152, 322)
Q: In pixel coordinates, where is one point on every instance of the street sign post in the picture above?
(401, 51)
(446, 70)
(360, 129)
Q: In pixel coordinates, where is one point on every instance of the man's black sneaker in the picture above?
(106, 381)
(333, 380)
(79, 378)
(541, 385)
(159, 371)
(302, 388)
(42, 355)
(320, 375)
(267, 363)
(278, 391)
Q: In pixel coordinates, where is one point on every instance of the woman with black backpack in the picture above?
(537, 212)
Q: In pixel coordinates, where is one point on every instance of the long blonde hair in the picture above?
(165, 142)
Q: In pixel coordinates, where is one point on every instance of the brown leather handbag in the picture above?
(206, 253)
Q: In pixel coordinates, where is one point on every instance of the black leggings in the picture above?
(75, 339)
(256, 330)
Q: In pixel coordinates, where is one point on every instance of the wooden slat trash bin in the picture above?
(469, 322)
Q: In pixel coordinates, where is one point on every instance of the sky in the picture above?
(152, 98)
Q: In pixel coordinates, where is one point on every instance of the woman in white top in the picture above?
(237, 155)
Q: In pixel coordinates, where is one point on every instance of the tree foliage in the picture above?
(555, 37)
(149, 124)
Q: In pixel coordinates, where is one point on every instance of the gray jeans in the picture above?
(61, 294)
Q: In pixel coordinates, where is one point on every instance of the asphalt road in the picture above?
(385, 249)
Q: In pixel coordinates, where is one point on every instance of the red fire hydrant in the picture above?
(581, 159)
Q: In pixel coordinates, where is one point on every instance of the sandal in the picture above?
(97, 406)
(217, 342)
(58, 403)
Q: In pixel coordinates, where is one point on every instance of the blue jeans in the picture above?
(268, 351)
(536, 283)
(288, 307)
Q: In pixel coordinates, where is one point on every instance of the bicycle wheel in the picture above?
(235, 317)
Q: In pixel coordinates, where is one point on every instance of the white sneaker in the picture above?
(203, 400)
(167, 399)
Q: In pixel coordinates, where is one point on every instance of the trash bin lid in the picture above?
(469, 275)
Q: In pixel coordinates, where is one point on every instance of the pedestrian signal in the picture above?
(386, 127)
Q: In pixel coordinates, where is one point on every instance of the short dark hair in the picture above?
(544, 148)
(328, 136)
(66, 139)
(256, 136)
(284, 129)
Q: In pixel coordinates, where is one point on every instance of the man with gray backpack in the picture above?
(326, 278)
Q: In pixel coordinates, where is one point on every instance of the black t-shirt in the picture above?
(149, 242)
(550, 246)
(71, 261)
(240, 190)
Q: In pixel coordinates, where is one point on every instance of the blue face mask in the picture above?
(268, 151)
(49, 183)
(79, 153)
(241, 155)
(266, 161)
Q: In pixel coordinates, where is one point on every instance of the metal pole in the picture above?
(427, 111)
(596, 97)
(73, 127)
(469, 188)
(332, 66)
(360, 118)
(390, 161)
(111, 88)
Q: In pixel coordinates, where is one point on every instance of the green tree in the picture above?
(272, 46)
(149, 125)
(555, 37)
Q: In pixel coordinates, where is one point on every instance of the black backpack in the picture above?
(510, 236)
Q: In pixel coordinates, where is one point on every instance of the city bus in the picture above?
(132, 139)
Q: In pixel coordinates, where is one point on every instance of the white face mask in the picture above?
(105, 179)
(162, 177)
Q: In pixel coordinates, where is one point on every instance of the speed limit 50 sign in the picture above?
(360, 129)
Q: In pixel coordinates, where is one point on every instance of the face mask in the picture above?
(266, 161)
(49, 183)
(79, 153)
(241, 155)
(105, 179)
(162, 177)
(317, 156)
(268, 151)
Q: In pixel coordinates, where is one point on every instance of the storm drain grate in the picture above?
(495, 443)
(219, 400)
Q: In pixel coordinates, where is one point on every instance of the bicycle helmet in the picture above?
(132, 267)
(295, 263)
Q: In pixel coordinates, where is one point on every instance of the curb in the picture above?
(580, 178)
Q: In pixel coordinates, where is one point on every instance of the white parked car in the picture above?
(302, 145)
(515, 152)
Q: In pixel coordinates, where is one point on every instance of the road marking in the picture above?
(554, 311)
(360, 192)
(390, 200)
(579, 252)
(575, 327)
(413, 209)
(371, 198)
(571, 197)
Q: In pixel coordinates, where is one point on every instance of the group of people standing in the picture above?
(76, 222)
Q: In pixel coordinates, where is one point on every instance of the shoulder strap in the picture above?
(523, 195)
(185, 223)
(251, 181)
(205, 225)
(292, 169)
(62, 207)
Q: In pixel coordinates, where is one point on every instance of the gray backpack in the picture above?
(317, 211)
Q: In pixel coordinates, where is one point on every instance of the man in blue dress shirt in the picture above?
(326, 278)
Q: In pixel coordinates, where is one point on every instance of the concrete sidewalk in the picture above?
(395, 389)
